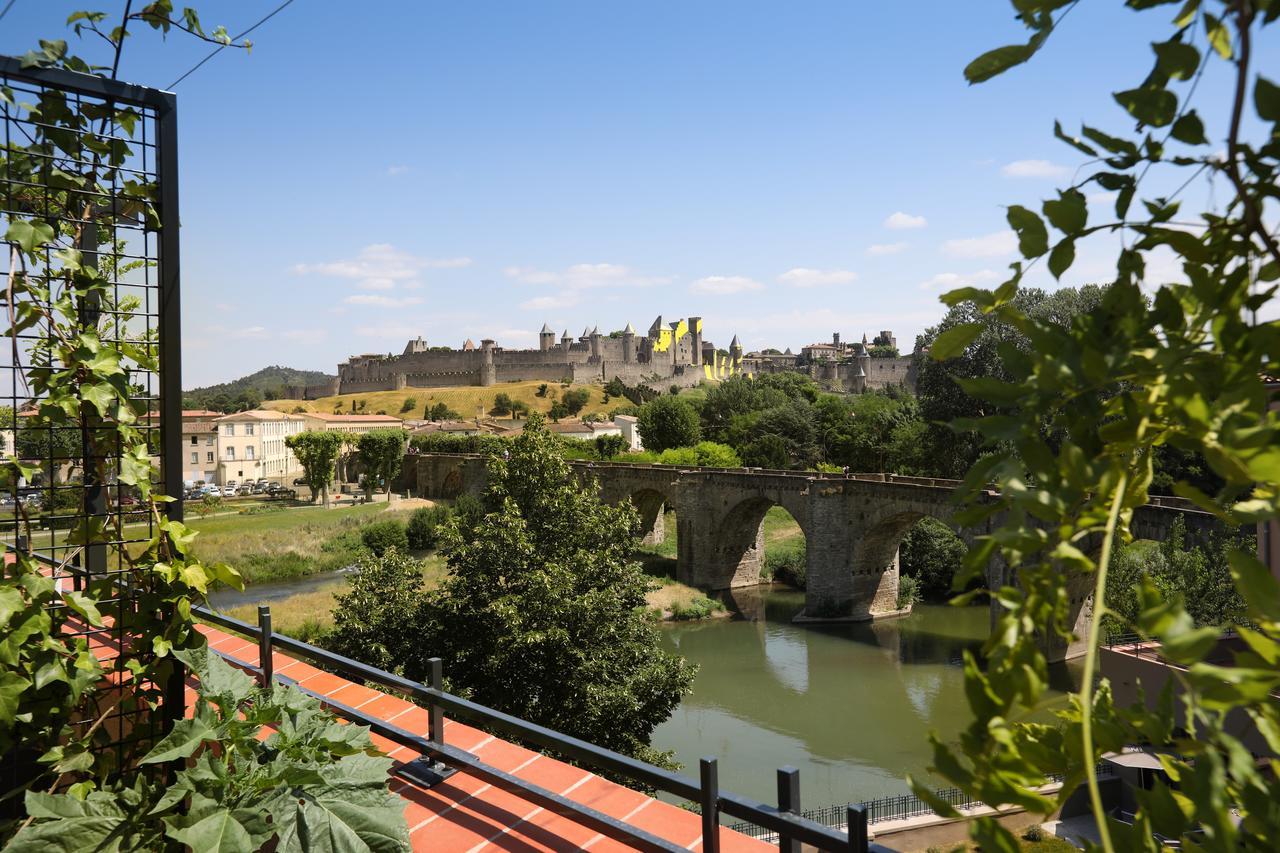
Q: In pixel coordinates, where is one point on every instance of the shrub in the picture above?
(609, 446)
(422, 530)
(502, 404)
(376, 619)
(787, 567)
(576, 399)
(699, 607)
(668, 422)
(1034, 832)
(381, 536)
(707, 454)
(908, 591)
(408, 405)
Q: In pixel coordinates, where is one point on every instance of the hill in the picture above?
(247, 392)
(466, 400)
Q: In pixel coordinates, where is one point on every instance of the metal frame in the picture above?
(154, 161)
(781, 819)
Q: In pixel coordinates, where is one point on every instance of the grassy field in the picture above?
(466, 400)
(287, 543)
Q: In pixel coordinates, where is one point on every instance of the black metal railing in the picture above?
(895, 807)
(785, 821)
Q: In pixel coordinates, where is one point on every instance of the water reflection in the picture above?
(850, 705)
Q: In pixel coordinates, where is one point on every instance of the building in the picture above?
(199, 445)
(669, 353)
(627, 426)
(584, 431)
(839, 366)
(354, 424)
(251, 445)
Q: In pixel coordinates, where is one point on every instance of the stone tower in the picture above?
(695, 334)
(488, 373)
(735, 353)
(546, 338)
(565, 340)
(594, 337)
(628, 344)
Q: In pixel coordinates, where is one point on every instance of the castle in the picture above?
(840, 366)
(669, 354)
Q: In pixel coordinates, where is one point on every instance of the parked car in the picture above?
(300, 481)
(127, 500)
(211, 491)
(285, 494)
(258, 489)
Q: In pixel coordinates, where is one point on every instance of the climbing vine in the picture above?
(1180, 360)
(78, 355)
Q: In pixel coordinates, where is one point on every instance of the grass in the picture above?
(294, 543)
(308, 615)
(466, 400)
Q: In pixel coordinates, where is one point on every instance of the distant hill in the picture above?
(250, 391)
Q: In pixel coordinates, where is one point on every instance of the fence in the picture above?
(783, 821)
(93, 163)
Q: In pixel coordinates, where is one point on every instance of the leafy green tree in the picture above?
(931, 552)
(424, 525)
(441, 412)
(576, 399)
(380, 537)
(501, 404)
(558, 411)
(783, 434)
(377, 619)
(51, 447)
(381, 451)
(1071, 431)
(409, 404)
(543, 613)
(666, 422)
(317, 452)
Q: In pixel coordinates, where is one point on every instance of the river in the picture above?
(851, 706)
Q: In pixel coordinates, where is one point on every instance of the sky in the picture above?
(369, 173)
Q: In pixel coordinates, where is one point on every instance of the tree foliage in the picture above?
(381, 451)
(666, 422)
(1171, 360)
(543, 613)
(317, 452)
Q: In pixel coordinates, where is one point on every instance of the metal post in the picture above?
(435, 722)
(788, 801)
(857, 823)
(266, 665)
(94, 498)
(710, 801)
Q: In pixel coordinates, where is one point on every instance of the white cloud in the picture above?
(804, 277)
(389, 331)
(542, 303)
(899, 221)
(392, 171)
(255, 332)
(994, 245)
(586, 276)
(380, 266)
(723, 285)
(949, 280)
(381, 301)
(1034, 169)
(879, 249)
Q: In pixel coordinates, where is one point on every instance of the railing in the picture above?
(897, 807)
(784, 820)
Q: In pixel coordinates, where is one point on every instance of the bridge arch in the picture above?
(652, 505)
(737, 555)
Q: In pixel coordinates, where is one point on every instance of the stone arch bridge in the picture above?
(852, 525)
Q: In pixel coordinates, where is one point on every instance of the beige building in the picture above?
(251, 446)
(356, 424)
(199, 445)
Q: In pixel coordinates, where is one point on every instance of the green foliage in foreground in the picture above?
(382, 536)
(313, 778)
(424, 526)
(1073, 432)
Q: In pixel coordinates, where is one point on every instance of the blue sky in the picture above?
(377, 171)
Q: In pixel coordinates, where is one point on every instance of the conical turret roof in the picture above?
(586, 331)
(547, 330)
(595, 330)
(628, 330)
(657, 326)
(735, 343)
(565, 334)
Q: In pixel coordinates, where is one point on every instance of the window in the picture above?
(248, 452)
(208, 442)
(231, 453)
(228, 429)
(208, 457)
(195, 458)
(194, 439)
(248, 429)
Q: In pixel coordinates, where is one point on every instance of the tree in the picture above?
(576, 399)
(50, 446)
(543, 613)
(381, 451)
(409, 404)
(609, 446)
(501, 404)
(441, 412)
(558, 411)
(1070, 434)
(930, 553)
(376, 620)
(707, 454)
(668, 422)
(317, 452)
